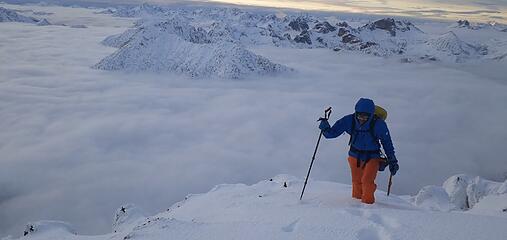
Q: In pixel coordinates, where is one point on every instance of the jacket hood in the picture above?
(365, 105)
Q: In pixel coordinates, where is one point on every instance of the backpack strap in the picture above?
(372, 128)
(353, 131)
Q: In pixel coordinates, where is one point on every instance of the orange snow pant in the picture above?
(363, 179)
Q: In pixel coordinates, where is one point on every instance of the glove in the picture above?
(324, 124)
(382, 165)
(393, 165)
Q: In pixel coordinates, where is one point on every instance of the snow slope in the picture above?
(271, 209)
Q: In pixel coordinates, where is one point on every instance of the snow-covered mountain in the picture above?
(8, 15)
(271, 209)
(43, 22)
(449, 45)
(174, 46)
(236, 29)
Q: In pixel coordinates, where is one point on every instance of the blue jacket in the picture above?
(363, 139)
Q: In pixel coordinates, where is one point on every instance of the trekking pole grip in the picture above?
(327, 112)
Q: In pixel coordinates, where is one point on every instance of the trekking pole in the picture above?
(327, 114)
(389, 185)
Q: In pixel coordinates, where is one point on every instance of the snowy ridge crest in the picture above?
(271, 208)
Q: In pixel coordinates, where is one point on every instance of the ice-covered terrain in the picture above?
(77, 142)
(271, 209)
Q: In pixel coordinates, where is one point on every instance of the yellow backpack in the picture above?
(380, 113)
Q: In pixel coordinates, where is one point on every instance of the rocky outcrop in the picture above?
(391, 26)
(299, 24)
(304, 37)
(324, 27)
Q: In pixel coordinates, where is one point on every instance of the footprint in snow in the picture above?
(372, 234)
(381, 221)
(384, 221)
(291, 226)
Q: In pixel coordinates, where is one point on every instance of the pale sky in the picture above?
(475, 10)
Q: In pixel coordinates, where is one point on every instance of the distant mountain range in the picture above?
(211, 33)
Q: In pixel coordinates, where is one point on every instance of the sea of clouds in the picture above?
(77, 142)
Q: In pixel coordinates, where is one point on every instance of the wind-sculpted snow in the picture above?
(8, 15)
(463, 192)
(175, 46)
(271, 209)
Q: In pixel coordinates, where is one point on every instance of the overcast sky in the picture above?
(484, 11)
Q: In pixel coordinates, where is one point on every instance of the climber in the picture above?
(367, 130)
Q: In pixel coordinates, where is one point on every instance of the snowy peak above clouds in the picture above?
(450, 45)
(8, 15)
(271, 209)
(175, 46)
(43, 22)
(465, 24)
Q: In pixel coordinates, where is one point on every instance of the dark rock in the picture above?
(287, 36)
(504, 210)
(304, 37)
(343, 24)
(387, 24)
(367, 45)
(350, 38)
(29, 230)
(463, 23)
(391, 26)
(505, 30)
(299, 24)
(406, 60)
(284, 184)
(324, 27)
(321, 41)
(337, 49)
(342, 31)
